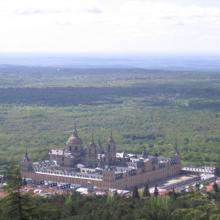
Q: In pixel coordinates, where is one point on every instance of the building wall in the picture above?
(147, 177)
(127, 182)
(67, 179)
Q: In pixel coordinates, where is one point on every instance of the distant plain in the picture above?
(153, 109)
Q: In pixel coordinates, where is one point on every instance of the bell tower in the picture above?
(92, 153)
(26, 163)
(111, 150)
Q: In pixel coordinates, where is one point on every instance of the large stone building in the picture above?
(100, 165)
(75, 152)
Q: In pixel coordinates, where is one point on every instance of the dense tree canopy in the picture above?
(72, 206)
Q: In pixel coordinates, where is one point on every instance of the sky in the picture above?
(110, 26)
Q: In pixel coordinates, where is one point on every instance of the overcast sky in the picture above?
(110, 26)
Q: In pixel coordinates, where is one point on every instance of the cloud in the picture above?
(93, 10)
(41, 11)
(103, 25)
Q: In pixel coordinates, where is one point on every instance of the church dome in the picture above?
(74, 139)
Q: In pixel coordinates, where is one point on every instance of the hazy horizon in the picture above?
(166, 62)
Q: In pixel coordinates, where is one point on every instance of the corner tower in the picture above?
(26, 163)
(111, 150)
(92, 153)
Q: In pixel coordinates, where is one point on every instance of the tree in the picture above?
(215, 217)
(24, 182)
(215, 187)
(156, 191)
(173, 194)
(68, 209)
(217, 171)
(13, 178)
(197, 186)
(16, 205)
(135, 194)
(186, 214)
(146, 192)
(158, 208)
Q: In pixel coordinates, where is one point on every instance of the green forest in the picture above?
(150, 109)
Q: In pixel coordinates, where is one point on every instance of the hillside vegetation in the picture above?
(144, 109)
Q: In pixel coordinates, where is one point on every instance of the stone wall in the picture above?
(126, 182)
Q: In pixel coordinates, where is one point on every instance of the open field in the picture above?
(152, 109)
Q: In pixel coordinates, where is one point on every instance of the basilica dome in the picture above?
(74, 139)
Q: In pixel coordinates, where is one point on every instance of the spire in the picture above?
(111, 139)
(92, 143)
(75, 132)
(92, 139)
(145, 153)
(26, 158)
(101, 163)
(100, 146)
(176, 150)
(99, 142)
